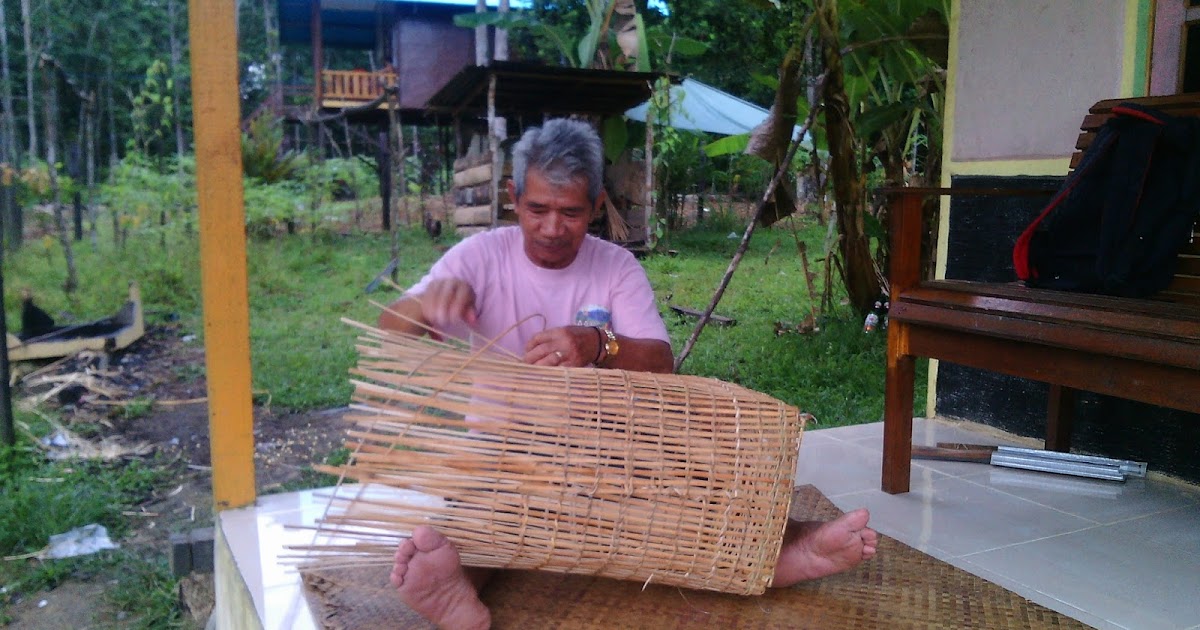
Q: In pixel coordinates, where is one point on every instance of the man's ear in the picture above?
(512, 191)
(601, 206)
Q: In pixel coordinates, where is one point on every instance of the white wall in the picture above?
(1027, 70)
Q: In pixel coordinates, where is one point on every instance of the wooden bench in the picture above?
(1139, 349)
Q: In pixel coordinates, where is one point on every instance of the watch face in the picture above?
(611, 347)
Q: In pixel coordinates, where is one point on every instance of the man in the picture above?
(554, 295)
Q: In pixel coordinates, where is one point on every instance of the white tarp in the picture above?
(699, 107)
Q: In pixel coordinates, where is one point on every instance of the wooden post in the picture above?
(494, 142)
(904, 209)
(648, 209)
(384, 164)
(1060, 418)
(315, 28)
(8, 436)
(212, 28)
(481, 36)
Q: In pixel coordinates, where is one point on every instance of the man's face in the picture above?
(553, 218)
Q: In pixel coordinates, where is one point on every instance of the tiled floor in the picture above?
(1111, 555)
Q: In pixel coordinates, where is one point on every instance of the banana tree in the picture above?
(882, 97)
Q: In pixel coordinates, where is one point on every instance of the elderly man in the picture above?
(554, 295)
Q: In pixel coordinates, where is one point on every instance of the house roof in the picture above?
(526, 88)
(351, 23)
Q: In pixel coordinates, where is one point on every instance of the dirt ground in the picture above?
(108, 403)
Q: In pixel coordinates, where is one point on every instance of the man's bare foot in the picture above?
(430, 578)
(814, 550)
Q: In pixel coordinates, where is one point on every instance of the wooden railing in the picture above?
(354, 85)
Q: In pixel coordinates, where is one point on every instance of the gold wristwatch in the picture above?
(611, 347)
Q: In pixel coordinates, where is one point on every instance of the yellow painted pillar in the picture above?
(212, 28)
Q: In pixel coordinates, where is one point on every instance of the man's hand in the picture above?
(442, 303)
(574, 346)
(448, 301)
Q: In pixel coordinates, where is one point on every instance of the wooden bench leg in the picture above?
(897, 420)
(1060, 418)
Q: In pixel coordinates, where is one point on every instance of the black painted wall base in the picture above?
(982, 232)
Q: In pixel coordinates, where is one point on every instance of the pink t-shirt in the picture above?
(604, 285)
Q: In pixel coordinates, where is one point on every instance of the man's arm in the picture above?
(642, 355)
(402, 315)
(578, 346)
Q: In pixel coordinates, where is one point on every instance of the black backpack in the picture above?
(1119, 221)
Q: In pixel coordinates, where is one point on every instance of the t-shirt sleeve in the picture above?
(635, 313)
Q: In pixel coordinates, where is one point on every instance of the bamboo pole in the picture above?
(212, 28)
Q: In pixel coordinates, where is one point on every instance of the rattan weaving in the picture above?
(666, 479)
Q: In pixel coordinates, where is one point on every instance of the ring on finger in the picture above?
(559, 355)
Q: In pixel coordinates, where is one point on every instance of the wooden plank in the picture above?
(471, 230)
(1166, 386)
(473, 215)
(1066, 336)
(1056, 304)
(474, 176)
(212, 29)
(719, 320)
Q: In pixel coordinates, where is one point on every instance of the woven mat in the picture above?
(899, 588)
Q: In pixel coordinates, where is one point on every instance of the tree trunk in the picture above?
(10, 120)
(8, 149)
(858, 270)
(176, 93)
(27, 30)
(50, 106)
(271, 30)
(113, 157)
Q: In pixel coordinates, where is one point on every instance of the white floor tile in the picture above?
(1038, 597)
(961, 517)
(1140, 573)
(1093, 499)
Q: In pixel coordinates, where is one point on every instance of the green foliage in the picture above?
(144, 588)
(271, 205)
(263, 155)
(153, 112)
(359, 176)
(571, 34)
(138, 407)
(299, 290)
(144, 197)
(835, 373)
(48, 499)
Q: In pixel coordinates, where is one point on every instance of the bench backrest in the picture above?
(1186, 285)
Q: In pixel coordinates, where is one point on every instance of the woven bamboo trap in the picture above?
(671, 479)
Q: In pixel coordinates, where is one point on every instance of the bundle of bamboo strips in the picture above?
(673, 479)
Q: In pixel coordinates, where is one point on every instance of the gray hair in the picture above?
(563, 151)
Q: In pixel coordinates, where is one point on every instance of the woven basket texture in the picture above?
(664, 479)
